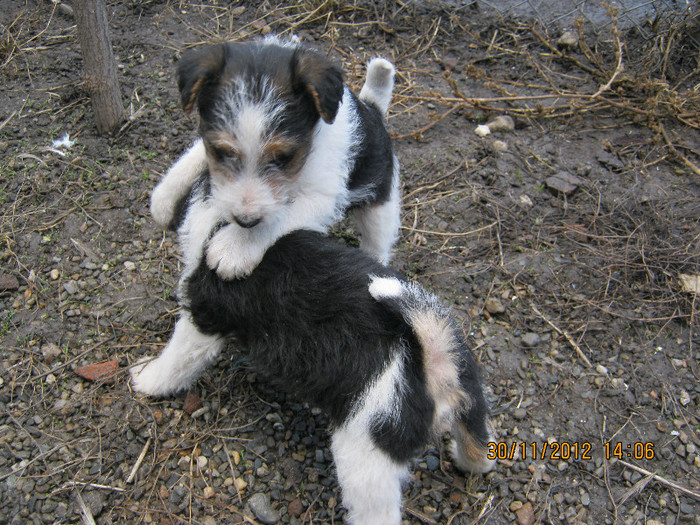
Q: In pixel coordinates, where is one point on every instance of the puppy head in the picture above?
(259, 105)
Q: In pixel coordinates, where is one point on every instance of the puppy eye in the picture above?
(281, 160)
(222, 153)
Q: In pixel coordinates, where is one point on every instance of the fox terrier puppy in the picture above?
(287, 146)
(337, 329)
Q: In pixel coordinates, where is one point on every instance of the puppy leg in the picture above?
(179, 365)
(177, 182)
(378, 224)
(369, 479)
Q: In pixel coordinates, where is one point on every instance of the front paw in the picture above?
(163, 202)
(231, 256)
(147, 377)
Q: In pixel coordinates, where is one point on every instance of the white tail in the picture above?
(379, 84)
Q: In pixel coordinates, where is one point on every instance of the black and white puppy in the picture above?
(287, 145)
(334, 327)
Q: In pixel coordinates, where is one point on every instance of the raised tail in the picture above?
(379, 84)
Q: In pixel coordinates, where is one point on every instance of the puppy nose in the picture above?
(247, 222)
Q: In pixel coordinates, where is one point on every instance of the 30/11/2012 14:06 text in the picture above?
(564, 451)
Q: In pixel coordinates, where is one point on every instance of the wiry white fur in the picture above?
(370, 480)
(177, 183)
(379, 84)
(385, 287)
(180, 363)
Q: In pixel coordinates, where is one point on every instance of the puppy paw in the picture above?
(163, 202)
(231, 257)
(147, 378)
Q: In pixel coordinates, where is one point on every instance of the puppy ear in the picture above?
(321, 80)
(196, 69)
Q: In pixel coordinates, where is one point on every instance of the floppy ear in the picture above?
(321, 80)
(197, 69)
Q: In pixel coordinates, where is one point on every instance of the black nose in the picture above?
(247, 222)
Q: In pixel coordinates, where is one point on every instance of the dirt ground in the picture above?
(561, 243)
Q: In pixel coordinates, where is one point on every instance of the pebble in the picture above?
(530, 339)
(494, 306)
(50, 351)
(8, 282)
(482, 130)
(563, 182)
(54, 274)
(568, 39)
(525, 515)
(501, 123)
(260, 505)
(71, 287)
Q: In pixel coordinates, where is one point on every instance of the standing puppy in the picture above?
(335, 328)
(287, 145)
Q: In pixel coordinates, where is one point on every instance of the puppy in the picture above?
(334, 327)
(287, 145)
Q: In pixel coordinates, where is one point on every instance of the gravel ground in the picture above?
(560, 242)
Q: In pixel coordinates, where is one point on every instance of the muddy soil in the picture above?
(560, 243)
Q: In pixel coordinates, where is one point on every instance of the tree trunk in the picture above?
(100, 68)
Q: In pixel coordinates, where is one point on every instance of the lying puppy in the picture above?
(341, 331)
(288, 146)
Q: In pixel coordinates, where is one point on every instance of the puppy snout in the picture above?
(247, 222)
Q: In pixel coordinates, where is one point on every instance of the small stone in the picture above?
(525, 515)
(202, 462)
(501, 123)
(238, 11)
(525, 200)
(240, 484)
(8, 282)
(499, 145)
(98, 371)
(199, 412)
(50, 352)
(236, 457)
(71, 287)
(130, 266)
(684, 398)
(520, 413)
(586, 499)
(295, 508)
(610, 161)
(482, 130)
(54, 274)
(530, 339)
(494, 306)
(568, 39)
(192, 402)
(208, 492)
(563, 182)
(260, 505)
(601, 370)
(449, 62)
(516, 505)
